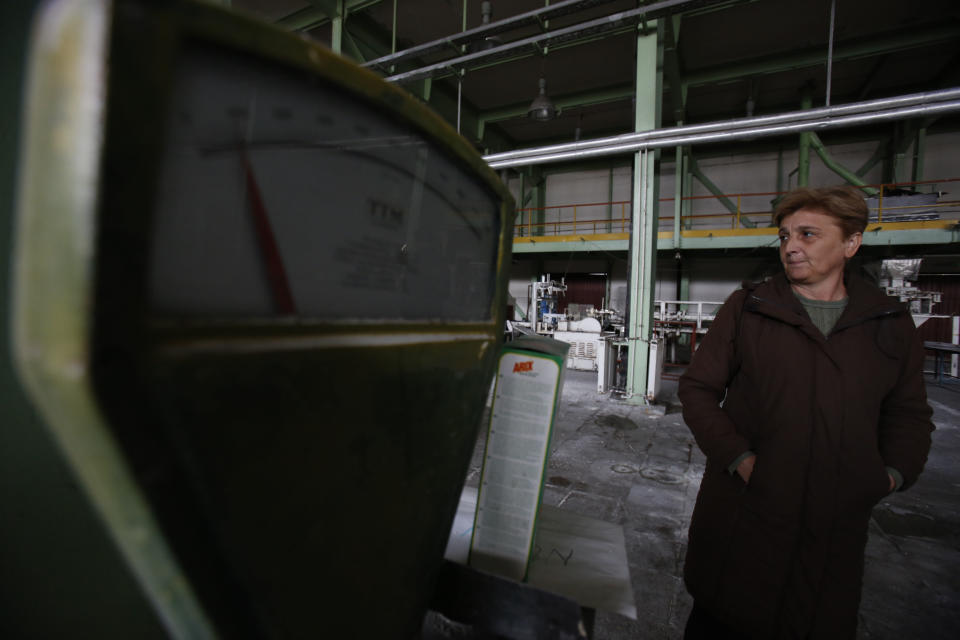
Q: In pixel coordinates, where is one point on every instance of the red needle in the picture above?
(277, 275)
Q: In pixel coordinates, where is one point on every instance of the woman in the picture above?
(807, 397)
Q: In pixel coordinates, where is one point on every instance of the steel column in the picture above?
(643, 223)
(336, 29)
(679, 169)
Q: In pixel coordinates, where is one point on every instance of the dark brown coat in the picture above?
(782, 557)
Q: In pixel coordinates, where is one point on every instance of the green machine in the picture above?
(257, 299)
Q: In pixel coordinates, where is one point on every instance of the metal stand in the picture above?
(471, 604)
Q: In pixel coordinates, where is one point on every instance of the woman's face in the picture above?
(812, 247)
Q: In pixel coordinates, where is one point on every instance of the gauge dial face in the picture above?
(281, 195)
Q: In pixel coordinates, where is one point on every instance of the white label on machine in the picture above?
(513, 465)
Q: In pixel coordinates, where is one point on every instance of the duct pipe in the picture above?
(869, 106)
(834, 166)
(719, 132)
(598, 26)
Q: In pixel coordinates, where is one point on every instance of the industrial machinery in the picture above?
(896, 276)
(258, 298)
(544, 310)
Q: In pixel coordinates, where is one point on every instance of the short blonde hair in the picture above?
(845, 204)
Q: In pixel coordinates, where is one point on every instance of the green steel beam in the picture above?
(351, 48)
(535, 197)
(671, 64)
(336, 24)
(610, 200)
(320, 12)
(892, 42)
(679, 168)
(716, 191)
(643, 230)
(332, 8)
(836, 167)
(368, 35)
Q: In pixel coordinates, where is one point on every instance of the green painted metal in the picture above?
(336, 24)
(200, 460)
(320, 12)
(815, 56)
(671, 59)
(679, 169)
(54, 289)
(828, 160)
(610, 200)
(350, 48)
(59, 565)
(393, 33)
(644, 212)
(716, 191)
(535, 198)
(902, 138)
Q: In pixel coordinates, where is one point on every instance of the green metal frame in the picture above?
(87, 179)
(643, 230)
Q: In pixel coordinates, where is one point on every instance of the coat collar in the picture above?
(775, 298)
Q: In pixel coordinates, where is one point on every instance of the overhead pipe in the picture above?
(791, 117)
(606, 24)
(468, 36)
(902, 107)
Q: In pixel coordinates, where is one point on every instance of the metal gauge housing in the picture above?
(258, 295)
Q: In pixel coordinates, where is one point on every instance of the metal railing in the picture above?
(750, 210)
(572, 219)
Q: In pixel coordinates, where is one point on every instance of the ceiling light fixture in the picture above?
(542, 107)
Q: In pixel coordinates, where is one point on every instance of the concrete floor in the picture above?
(626, 465)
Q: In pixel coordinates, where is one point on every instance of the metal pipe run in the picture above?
(469, 36)
(606, 24)
(868, 106)
(901, 107)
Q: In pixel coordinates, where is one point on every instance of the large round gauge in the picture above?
(282, 195)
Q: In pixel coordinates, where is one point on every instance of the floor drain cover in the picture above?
(624, 468)
(661, 476)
